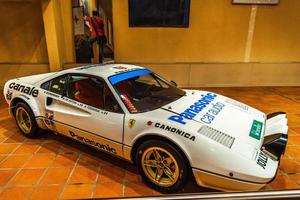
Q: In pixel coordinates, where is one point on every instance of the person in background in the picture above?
(96, 26)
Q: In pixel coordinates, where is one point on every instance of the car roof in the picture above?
(103, 70)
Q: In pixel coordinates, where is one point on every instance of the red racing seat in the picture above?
(86, 91)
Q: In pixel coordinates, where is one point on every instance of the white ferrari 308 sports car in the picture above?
(171, 134)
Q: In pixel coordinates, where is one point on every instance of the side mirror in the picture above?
(174, 83)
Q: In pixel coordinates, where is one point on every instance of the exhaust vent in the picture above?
(218, 136)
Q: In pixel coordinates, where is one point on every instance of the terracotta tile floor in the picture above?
(55, 167)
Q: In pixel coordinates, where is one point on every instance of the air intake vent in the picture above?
(217, 136)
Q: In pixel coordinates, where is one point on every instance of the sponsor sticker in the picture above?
(256, 129)
(9, 94)
(173, 130)
(120, 67)
(87, 67)
(32, 91)
(91, 142)
(192, 111)
(149, 123)
(212, 113)
(49, 116)
(262, 160)
(128, 103)
(131, 123)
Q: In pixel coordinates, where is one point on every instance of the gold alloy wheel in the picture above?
(160, 166)
(23, 120)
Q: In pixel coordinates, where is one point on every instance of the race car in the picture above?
(171, 134)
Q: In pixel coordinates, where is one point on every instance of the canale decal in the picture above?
(174, 130)
(193, 110)
(24, 89)
(104, 147)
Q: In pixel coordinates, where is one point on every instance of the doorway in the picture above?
(83, 31)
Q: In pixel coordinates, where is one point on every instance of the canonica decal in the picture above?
(24, 89)
(193, 110)
(173, 130)
(256, 129)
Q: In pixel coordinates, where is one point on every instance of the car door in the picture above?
(85, 110)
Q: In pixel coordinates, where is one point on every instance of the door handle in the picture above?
(49, 101)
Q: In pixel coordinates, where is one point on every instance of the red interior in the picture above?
(87, 92)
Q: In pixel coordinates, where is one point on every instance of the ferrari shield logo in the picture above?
(131, 123)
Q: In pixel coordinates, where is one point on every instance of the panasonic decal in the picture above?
(104, 147)
(193, 110)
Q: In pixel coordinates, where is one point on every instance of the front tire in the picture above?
(26, 121)
(162, 166)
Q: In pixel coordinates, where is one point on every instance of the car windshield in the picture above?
(147, 92)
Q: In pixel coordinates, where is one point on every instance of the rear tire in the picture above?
(162, 166)
(25, 121)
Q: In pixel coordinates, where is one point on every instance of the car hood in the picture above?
(224, 114)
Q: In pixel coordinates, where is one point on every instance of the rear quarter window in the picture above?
(57, 85)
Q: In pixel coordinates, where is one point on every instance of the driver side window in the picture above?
(92, 91)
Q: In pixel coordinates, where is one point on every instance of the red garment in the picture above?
(97, 25)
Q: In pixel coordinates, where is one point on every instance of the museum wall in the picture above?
(217, 49)
(24, 49)
(213, 50)
(22, 36)
(277, 29)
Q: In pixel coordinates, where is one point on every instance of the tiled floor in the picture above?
(55, 167)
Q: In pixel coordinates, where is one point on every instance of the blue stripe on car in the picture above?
(127, 75)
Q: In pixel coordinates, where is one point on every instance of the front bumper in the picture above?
(220, 182)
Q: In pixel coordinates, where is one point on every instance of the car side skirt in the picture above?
(108, 146)
(212, 180)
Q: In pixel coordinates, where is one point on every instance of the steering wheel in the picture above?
(147, 90)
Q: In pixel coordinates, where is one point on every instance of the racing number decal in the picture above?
(49, 116)
(9, 94)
